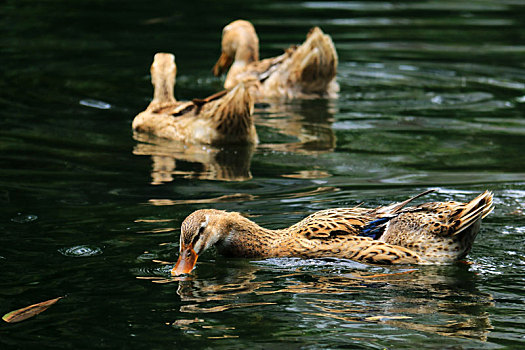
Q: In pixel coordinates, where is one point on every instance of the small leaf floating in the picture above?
(29, 311)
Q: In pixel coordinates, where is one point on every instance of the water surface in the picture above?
(432, 96)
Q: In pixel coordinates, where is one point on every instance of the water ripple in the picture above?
(81, 251)
(24, 218)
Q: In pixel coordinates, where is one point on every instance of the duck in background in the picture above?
(430, 233)
(222, 118)
(305, 71)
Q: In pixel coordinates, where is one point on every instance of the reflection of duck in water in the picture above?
(225, 117)
(435, 232)
(399, 297)
(433, 299)
(309, 121)
(224, 164)
(307, 70)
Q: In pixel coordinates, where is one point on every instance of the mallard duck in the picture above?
(225, 117)
(307, 70)
(430, 233)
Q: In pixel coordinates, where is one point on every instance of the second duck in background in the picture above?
(305, 71)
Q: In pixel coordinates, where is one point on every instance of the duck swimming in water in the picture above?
(430, 233)
(304, 71)
(225, 117)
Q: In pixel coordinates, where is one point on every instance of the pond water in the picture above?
(432, 96)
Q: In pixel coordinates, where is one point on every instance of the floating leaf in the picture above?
(29, 311)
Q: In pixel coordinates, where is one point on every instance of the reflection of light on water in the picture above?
(183, 323)
(187, 324)
(95, 104)
(493, 266)
(314, 264)
(197, 308)
(308, 174)
(153, 220)
(239, 197)
(221, 199)
(159, 230)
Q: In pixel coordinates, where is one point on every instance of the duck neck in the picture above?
(247, 48)
(163, 90)
(244, 238)
(248, 52)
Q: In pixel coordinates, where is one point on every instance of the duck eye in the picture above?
(198, 235)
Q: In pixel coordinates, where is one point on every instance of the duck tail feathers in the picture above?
(396, 207)
(314, 63)
(475, 210)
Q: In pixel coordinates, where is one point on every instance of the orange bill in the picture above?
(186, 262)
(222, 64)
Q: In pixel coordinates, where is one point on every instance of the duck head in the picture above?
(199, 231)
(163, 71)
(240, 45)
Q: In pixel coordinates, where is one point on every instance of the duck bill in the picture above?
(222, 64)
(186, 262)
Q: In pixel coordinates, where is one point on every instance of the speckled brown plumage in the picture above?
(430, 233)
(304, 71)
(225, 117)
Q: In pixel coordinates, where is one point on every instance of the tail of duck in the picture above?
(475, 210)
(232, 113)
(439, 232)
(455, 241)
(314, 65)
(396, 207)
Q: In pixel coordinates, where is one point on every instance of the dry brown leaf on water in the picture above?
(29, 311)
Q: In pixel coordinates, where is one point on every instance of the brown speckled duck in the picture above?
(225, 117)
(430, 233)
(304, 71)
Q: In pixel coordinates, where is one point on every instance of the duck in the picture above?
(429, 233)
(222, 118)
(305, 71)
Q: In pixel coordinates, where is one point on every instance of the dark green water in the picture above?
(432, 96)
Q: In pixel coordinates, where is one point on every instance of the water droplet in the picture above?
(24, 218)
(80, 251)
(95, 104)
